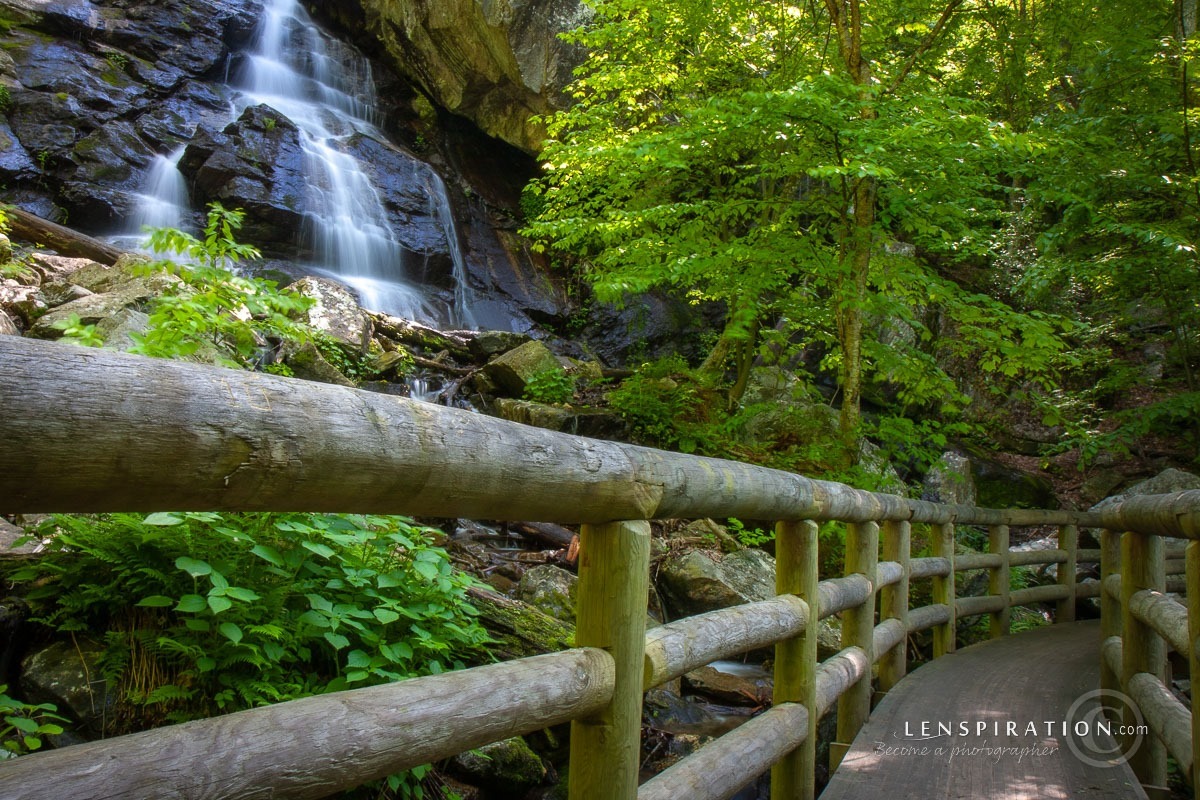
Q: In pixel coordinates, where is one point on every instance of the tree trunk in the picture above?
(35, 230)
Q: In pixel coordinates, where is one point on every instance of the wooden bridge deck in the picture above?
(1033, 678)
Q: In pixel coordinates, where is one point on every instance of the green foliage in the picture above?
(245, 610)
(750, 537)
(210, 613)
(75, 331)
(552, 386)
(663, 405)
(22, 725)
(5, 99)
(213, 311)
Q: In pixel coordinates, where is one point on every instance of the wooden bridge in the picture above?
(90, 431)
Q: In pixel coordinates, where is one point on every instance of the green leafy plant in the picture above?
(208, 613)
(74, 330)
(22, 725)
(551, 386)
(117, 60)
(212, 310)
(750, 537)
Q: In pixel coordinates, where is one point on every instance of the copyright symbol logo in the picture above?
(1092, 736)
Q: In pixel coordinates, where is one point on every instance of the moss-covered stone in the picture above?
(508, 768)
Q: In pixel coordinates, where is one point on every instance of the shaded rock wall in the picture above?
(495, 62)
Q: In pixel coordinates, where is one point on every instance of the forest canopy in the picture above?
(1011, 182)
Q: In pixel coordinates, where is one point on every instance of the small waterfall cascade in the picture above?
(326, 89)
(162, 203)
(464, 298)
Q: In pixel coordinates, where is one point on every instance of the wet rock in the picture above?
(334, 311)
(68, 675)
(256, 163)
(509, 769)
(950, 481)
(550, 589)
(15, 161)
(513, 369)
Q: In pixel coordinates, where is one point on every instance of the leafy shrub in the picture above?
(211, 613)
(661, 404)
(232, 316)
(550, 386)
(22, 725)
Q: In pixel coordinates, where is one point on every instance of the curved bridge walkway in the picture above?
(1038, 681)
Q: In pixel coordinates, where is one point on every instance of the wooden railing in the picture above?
(91, 431)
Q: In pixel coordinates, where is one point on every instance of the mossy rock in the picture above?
(507, 768)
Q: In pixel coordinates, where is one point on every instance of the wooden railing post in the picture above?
(943, 588)
(999, 580)
(796, 572)
(1142, 649)
(1068, 540)
(614, 579)
(858, 630)
(1193, 604)
(1110, 618)
(893, 601)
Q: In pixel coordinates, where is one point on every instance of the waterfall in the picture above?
(162, 203)
(326, 89)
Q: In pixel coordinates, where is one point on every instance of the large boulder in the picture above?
(550, 589)
(509, 768)
(950, 481)
(67, 674)
(696, 581)
(513, 370)
(334, 311)
(1165, 482)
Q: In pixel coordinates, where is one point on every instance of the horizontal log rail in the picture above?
(245, 441)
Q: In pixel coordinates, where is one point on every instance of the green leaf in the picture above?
(219, 604)
(385, 615)
(231, 632)
(191, 603)
(427, 569)
(318, 548)
(337, 640)
(193, 567)
(206, 664)
(162, 518)
(241, 593)
(23, 724)
(357, 658)
(269, 554)
(156, 601)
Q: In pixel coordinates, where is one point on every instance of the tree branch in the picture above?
(926, 43)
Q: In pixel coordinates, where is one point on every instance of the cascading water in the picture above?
(326, 89)
(163, 202)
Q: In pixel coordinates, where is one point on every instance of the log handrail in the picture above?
(245, 441)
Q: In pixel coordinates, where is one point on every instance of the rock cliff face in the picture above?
(495, 62)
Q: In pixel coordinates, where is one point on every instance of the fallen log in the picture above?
(547, 532)
(35, 230)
